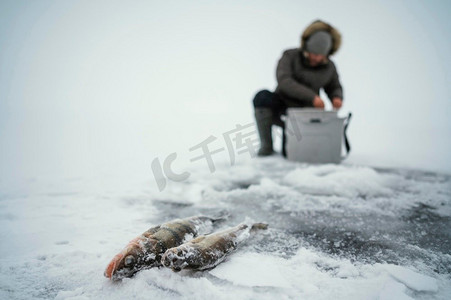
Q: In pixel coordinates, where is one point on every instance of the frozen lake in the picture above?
(342, 231)
(92, 91)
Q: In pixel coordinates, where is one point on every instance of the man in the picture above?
(301, 73)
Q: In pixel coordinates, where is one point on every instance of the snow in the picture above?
(413, 280)
(394, 290)
(252, 269)
(366, 243)
(330, 180)
(92, 92)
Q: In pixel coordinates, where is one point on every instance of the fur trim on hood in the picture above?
(319, 25)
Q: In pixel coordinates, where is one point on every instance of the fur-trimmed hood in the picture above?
(319, 25)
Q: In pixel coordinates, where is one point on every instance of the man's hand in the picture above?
(337, 102)
(318, 102)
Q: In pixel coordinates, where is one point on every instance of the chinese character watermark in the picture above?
(159, 173)
(241, 139)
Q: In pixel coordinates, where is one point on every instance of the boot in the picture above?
(263, 116)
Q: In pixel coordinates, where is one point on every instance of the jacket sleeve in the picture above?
(288, 85)
(333, 87)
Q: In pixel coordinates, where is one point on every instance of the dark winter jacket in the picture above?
(298, 82)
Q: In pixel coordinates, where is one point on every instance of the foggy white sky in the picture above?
(93, 85)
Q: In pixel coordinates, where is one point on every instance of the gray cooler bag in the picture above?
(315, 136)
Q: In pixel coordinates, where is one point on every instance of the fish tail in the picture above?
(259, 226)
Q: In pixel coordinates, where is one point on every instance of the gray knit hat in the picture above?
(319, 43)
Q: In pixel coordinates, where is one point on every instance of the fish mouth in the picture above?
(117, 271)
(114, 272)
(123, 273)
(112, 266)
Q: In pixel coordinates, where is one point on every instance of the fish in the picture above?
(145, 251)
(207, 251)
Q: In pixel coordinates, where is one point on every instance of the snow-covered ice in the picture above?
(335, 231)
(412, 279)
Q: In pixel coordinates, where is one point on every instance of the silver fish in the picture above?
(207, 251)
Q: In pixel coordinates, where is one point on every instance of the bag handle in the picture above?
(347, 145)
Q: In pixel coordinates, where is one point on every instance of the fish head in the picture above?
(178, 258)
(133, 258)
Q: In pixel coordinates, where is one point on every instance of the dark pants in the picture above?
(267, 99)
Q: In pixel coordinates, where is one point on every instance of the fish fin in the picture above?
(196, 240)
(220, 216)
